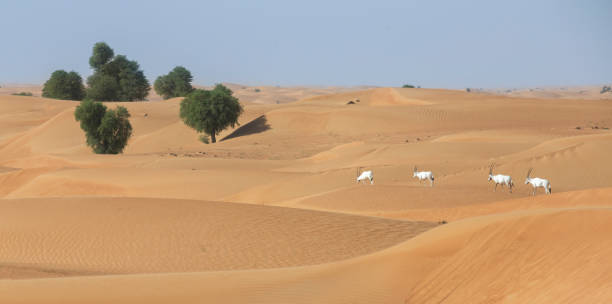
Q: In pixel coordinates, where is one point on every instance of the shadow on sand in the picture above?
(257, 125)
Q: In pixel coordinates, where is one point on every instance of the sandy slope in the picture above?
(251, 94)
(502, 258)
(568, 92)
(161, 211)
(119, 235)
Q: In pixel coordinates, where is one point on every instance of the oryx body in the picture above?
(500, 179)
(423, 175)
(537, 182)
(362, 176)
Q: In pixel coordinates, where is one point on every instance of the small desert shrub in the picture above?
(606, 89)
(408, 86)
(204, 139)
(22, 94)
(106, 131)
(211, 111)
(176, 84)
(64, 85)
(468, 90)
(257, 90)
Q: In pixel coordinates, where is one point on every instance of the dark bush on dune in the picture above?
(106, 131)
(103, 87)
(115, 78)
(211, 111)
(176, 84)
(64, 85)
(22, 94)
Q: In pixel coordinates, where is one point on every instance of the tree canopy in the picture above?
(211, 111)
(115, 78)
(64, 85)
(106, 131)
(177, 83)
(102, 54)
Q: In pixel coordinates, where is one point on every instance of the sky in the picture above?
(435, 44)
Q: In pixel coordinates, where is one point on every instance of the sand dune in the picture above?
(272, 212)
(513, 255)
(568, 92)
(114, 235)
(251, 94)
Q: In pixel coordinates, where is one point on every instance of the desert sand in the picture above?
(272, 214)
(558, 92)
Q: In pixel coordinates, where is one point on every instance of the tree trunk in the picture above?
(213, 138)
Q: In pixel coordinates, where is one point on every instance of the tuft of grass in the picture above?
(22, 94)
(204, 139)
(408, 86)
(257, 90)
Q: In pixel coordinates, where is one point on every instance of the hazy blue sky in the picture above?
(452, 44)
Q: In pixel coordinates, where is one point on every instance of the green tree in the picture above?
(64, 85)
(408, 86)
(211, 111)
(115, 78)
(114, 131)
(106, 131)
(102, 87)
(176, 84)
(102, 54)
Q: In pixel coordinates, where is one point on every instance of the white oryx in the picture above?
(423, 175)
(500, 179)
(537, 182)
(362, 176)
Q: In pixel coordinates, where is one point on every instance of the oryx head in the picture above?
(491, 171)
(528, 174)
(414, 172)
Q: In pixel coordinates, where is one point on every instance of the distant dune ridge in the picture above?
(272, 212)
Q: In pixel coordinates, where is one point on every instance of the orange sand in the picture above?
(272, 213)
